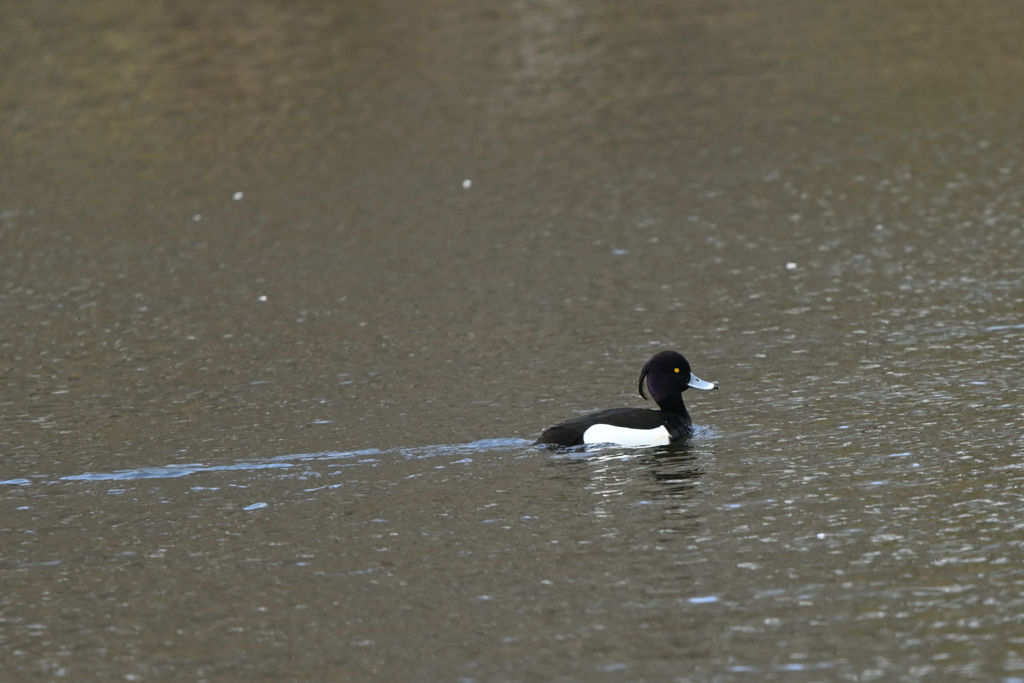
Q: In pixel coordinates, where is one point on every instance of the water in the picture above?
(246, 292)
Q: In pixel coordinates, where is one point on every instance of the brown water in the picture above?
(819, 204)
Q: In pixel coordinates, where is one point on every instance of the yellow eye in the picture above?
(677, 369)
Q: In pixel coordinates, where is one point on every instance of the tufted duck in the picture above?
(668, 376)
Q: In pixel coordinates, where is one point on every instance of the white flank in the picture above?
(624, 436)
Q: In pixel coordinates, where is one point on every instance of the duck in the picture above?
(668, 375)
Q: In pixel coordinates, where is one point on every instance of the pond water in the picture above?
(288, 290)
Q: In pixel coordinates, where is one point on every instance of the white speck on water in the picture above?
(619, 252)
(821, 536)
(844, 426)
(979, 384)
(196, 218)
(262, 297)
(703, 600)
(321, 488)
(467, 183)
(237, 196)
(255, 506)
(879, 227)
(483, 597)
(899, 455)
(790, 266)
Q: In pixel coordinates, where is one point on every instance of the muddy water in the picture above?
(270, 366)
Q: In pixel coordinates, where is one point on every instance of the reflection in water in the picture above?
(637, 476)
(676, 473)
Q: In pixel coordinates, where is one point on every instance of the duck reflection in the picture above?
(665, 472)
(675, 471)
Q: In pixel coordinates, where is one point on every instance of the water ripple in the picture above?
(284, 461)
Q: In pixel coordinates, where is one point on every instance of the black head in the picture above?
(668, 375)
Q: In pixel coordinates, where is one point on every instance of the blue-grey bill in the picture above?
(697, 383)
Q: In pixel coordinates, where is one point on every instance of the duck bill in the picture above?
(697, 383)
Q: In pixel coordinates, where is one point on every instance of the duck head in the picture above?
(668, 375)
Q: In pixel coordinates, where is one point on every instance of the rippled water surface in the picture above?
(288, 290)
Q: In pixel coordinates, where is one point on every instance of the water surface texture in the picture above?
(287, 289)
